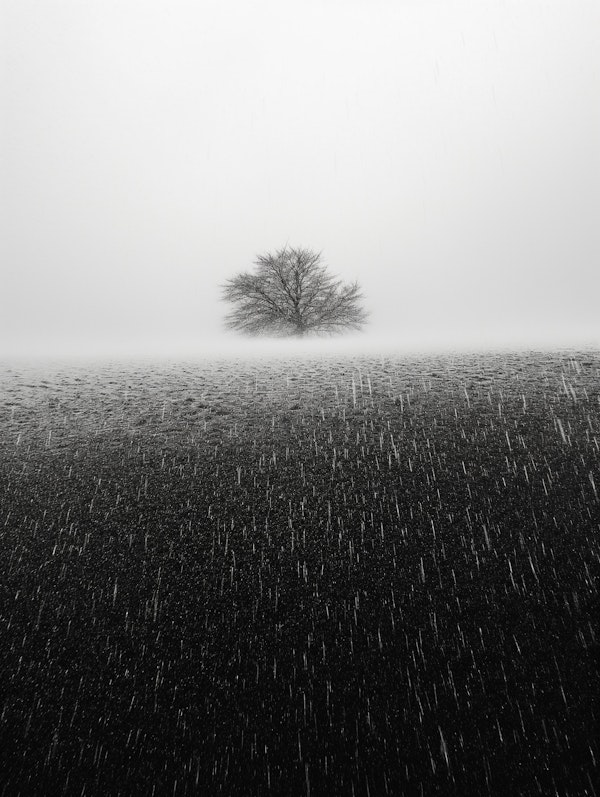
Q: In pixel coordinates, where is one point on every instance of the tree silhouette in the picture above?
(291, 294)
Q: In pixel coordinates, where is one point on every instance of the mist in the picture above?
(445, 156)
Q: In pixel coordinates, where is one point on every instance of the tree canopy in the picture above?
(292, 294)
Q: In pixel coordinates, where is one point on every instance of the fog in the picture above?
(445, 155)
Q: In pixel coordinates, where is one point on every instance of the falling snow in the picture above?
(352, 575)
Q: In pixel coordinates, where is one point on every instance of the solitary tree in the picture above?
(291, 294)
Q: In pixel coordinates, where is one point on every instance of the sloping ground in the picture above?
(313, 576)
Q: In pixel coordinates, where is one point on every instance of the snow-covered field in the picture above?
(301, 573)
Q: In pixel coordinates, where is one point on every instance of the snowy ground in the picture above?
(301, 573)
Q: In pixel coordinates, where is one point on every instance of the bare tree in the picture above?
(291, 294)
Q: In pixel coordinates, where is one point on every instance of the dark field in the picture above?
(352, 576)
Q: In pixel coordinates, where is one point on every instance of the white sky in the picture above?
(444, 154)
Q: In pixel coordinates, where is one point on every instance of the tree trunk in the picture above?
(300, 328)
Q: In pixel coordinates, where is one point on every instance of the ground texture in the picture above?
(354, 576)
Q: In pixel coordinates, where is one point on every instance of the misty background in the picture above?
(445, 155)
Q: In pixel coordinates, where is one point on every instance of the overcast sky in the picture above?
(444, 154)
